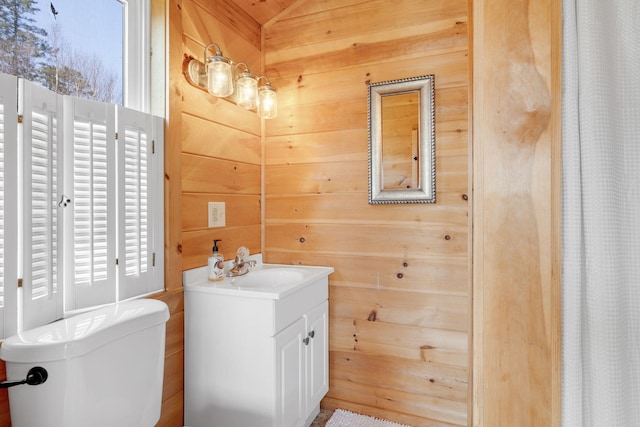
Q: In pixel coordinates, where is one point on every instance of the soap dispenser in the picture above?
(215, 266)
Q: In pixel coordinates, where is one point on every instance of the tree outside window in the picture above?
(46, 57)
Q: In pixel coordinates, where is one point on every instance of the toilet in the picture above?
(104, 368)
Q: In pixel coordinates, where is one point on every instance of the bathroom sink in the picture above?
(269, 277)
(271, 281)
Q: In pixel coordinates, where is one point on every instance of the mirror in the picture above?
(402, 141)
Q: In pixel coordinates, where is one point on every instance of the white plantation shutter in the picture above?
(41, 270)
(8, 205)
(90, 221)
(81, 211)
(140, 203)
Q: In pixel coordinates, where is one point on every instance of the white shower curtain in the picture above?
(601, 213)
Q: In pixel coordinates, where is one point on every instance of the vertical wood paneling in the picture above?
(399, 298)
(516, 210)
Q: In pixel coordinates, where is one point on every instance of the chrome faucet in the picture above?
(240, 266)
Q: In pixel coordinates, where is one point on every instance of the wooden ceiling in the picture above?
(262, 11)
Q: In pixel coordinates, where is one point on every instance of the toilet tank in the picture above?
(105, 368)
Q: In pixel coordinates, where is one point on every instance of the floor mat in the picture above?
(342, 418)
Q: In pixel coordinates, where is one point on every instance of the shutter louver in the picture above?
(90, 202)
(44, 216)
(140, 202)
(72, 202)
(136, 202)
(41, 273)
(91, 251)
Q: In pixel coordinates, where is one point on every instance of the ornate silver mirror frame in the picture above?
(402, 141)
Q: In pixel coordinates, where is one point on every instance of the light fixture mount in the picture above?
(223, 78)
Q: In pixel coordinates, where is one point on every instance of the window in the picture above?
(90, 220)
(97, 50)
(92, 200)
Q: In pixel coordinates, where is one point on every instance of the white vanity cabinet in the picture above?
(302, 367)
(255, 357)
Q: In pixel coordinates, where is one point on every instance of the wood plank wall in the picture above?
(399, 297)
(516, 212)
(173, 383)
(221, 152)
(213, 154)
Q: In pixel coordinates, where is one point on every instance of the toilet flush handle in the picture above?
(36, 375)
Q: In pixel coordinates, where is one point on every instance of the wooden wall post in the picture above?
(516, 212)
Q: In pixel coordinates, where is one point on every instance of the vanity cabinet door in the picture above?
(317, 354)
(290, 375)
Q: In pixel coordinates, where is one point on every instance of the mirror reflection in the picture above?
(402, 141)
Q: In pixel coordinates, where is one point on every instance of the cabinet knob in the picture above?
(305, 341)
(312, 334)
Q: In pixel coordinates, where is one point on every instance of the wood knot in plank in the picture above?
(372, 316)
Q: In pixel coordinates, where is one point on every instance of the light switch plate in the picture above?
(216, 216)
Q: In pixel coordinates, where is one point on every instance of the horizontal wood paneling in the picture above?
(212, 175)
(341, 83)
(224, 23)
(338, 146)
(424, 378)
(394, 401)
(206, 138)
(399, 296)
(376, 240)
(332, 25)
(264, 10)
(173, 381)
(429, 275)
(220, 142)
(241, 209)
(197, 244)
(409, 308)
(200, 104)
(173, 375)
(215, 154)
(450, 209)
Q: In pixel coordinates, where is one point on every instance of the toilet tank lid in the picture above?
(82, 333)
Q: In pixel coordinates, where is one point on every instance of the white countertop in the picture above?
(270, 281)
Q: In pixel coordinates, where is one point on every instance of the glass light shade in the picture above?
(267, 102)
(219, 77)
(247, 91)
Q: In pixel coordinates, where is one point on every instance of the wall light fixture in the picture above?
(267, 100)
(223, 78)
(219, 73)
(246, 87)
